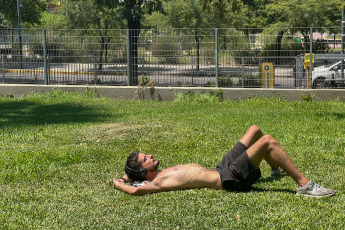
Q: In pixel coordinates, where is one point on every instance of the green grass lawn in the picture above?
(60, 152)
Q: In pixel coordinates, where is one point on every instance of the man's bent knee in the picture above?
(255, 129)
(270, 141)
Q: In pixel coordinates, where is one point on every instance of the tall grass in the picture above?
(60, 151)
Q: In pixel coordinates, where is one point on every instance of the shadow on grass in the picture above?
(336, 115)
(30, 113)
(270, 179)
(274, 190)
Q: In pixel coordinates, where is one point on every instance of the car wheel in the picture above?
(319, 83)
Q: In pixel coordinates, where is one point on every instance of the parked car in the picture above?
(328, 75)
(327, 59)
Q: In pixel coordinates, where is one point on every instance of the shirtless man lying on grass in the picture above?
(238, 170)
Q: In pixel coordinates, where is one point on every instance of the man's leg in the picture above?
(266, 147)
(252, 135)
(269, 149)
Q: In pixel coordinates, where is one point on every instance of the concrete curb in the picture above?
(167, 93)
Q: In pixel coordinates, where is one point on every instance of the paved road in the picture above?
(163, 75)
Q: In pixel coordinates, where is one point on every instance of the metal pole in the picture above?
(342, 40)
(19, 10)
(95, 69)
(3, 68)
(310, 74)
(45, 57)
(242, 62)
(129, 59)
(216, 57)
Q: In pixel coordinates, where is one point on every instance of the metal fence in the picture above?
(229, 57)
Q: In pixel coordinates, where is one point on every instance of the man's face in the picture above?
(148, 162)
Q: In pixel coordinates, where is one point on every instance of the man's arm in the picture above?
(125, 178)
(137, 191)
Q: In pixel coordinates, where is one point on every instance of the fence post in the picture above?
(342, 40)
(216, 57)
(95, 70)
(310, 75)
(242, 62)
(45, 56)
(3, 68)
(129, 59)
(19, 12)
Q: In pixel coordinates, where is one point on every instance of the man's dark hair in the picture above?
(133, 163)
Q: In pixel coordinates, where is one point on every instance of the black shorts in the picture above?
(236, 170)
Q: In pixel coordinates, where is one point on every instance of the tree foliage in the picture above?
(87, 14)
(222, 5)
(280, 13)
(104, 14)
(31, 10)
(182, 14)
(296, 13)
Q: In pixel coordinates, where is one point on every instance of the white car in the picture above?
(328, 75)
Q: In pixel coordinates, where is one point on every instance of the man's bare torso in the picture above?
(187, 176)
(174, 178)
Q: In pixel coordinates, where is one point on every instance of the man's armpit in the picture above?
(140, 183)
(149, 188)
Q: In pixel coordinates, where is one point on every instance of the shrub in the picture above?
(239, 45)
(55, 51)
(166, 50)
(248, 81)
(252, 80)
(226, 81)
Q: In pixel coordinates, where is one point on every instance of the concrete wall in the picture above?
(167, 93)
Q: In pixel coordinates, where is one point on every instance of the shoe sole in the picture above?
(309, 195)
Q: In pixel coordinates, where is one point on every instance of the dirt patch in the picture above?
(119, 126)
(119, 129)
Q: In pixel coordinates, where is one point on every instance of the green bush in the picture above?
(166, 50)
(56, 51)
(207, 52)
(252, 81)
(289, 47)
(238, 43)
(248, 81)
(226, 81)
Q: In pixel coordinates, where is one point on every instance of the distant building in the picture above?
(53, 4)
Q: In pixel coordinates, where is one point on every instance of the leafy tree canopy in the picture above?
(304, 14)
(30, 12)
(190, 14)
(182, 14)
(112, 14)
(296, 13)
(281, 13)
(86, 14)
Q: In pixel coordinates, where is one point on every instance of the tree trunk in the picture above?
(100, 65)
(306, 42)
(106, 50)
(197, 40)
(106, 43)
(134, 27)
(278, 46)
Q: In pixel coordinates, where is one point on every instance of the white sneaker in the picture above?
(315, 190)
